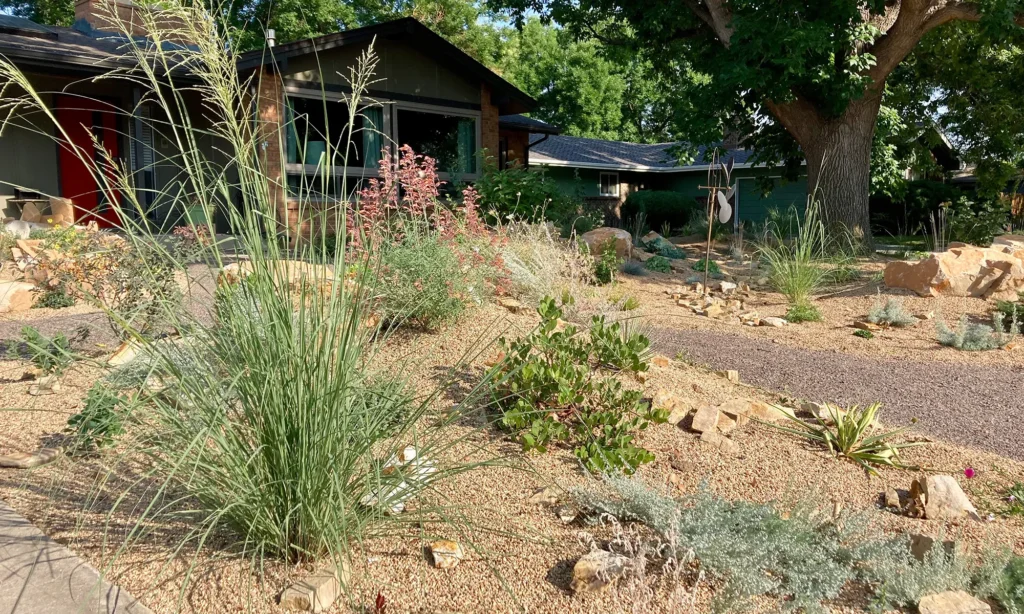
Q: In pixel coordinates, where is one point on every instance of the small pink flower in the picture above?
(969, 473)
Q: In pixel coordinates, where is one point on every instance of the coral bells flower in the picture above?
(968, 473)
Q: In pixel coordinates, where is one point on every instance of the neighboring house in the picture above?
(426, 93)
(605, 172)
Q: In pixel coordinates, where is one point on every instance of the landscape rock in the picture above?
(16, 296)
(25, 460)
(985, 272)
(316, 592)
(598, 237)
(727, 424)
(511, 304)
(445, 553)
(727, 287)
(124, 353)
(545, 496)
(745, 409)
(952, 602)
(660, 361)
(774, 322)
(705, 420)
(566, 513)
(921, 545)
(940, 497)
(48, 384)
(892, 498)
(868, 326)
(720, 442)
(597, 570)
(731, 374)
(678, 409)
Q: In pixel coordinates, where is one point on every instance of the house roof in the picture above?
(49, 47)
(408, 28)
(522, 122)
(579, 152)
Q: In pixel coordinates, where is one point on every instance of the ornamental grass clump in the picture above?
(266, 423)
(554, 386)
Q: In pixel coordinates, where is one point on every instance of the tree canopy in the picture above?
(805, 80)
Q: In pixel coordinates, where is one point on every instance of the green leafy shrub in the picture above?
(973, 337)
(606, 262)
(521, 193)
(709, 265)
(864, 334)
(55, 297)
(421, 282)
(552, 387)
(803, 312)
(850, 433)
(634, 268)
(51, 355)
(99, 422)
(658, 264)
(1009, 591)
(660, 207)
(698, 227)
(893, 313)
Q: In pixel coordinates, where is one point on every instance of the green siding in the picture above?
(754, 207)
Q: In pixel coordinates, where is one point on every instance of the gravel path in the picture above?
(974, 405)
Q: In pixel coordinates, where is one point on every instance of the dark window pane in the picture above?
(315, 125)
(449, 139)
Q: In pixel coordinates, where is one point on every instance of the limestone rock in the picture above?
(566, 513)
(952, 602)
(545, 496)
(868, 326)
(317, 592)
(16, 296)
(921, 545)
(511, 304)
(705, 420)
(598, 237)
(62, 212)
(984, 272)
(941, 498)
(124, 353)
(48, 384)
(892, 498)
(727, 287)
(660, 361)
(727, 424)
(24, 460)
(446, 553)
(774, 322)
(720, 442)
(597, 570)
(731, 374)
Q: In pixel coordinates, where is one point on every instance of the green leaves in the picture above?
(552, 387)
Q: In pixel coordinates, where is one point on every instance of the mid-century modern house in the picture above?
(426, 92)
(605, 172)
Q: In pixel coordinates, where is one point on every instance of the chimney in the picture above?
(104, 15)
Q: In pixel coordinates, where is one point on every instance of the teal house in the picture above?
(604, 173)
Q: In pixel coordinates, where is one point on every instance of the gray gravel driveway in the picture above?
(975, 405)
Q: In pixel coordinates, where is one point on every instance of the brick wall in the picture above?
(488, 123)
(518, 140)
(270, 114)
(118, 15)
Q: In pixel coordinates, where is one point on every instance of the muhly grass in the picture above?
(266, 421)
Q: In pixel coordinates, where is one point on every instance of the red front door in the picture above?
(82, 118)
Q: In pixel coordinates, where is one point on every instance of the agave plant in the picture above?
(850, 433)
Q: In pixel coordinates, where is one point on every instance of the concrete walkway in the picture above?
(39, 576)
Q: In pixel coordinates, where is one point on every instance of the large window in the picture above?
(609, 184)
(449, 139)
(317, 126)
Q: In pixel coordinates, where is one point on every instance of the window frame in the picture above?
(600, 184)
(360, 172)
(440, 110)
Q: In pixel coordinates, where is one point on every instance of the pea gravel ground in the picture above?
(980, 406)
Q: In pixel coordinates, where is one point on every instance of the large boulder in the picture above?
(1011, 244)
(985, 272)
(597, 238)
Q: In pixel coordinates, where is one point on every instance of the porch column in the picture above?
(270, 110)
(488, 124)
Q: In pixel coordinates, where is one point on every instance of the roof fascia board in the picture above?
(638, 168)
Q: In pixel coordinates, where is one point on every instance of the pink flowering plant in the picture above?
(435, 255)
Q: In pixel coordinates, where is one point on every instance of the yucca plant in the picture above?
(268, 418)
(850, 433)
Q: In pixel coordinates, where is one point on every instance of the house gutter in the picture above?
(646, 169)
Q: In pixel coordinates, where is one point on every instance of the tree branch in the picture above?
(715, 15)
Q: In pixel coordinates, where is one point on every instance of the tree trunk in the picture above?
(838, 153)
